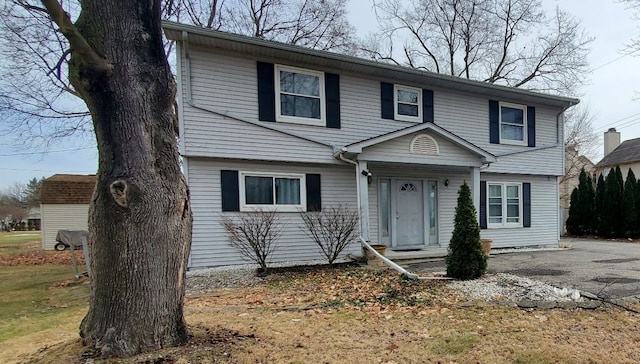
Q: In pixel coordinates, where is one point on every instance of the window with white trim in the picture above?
(272, 191)
(513, 124)
(407, 103)
(504, 205)
(300, 96)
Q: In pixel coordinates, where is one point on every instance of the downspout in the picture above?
(559, 131)
(187, 66)
(342, 158)
(365, 244)
(398, 268)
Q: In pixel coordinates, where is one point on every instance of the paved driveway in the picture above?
(607, 269)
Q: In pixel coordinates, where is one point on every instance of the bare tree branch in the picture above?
(510, 42)
(79, 45)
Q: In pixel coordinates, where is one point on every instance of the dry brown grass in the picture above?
(359, 316)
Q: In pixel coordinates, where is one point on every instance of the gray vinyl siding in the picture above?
(229, 86)
(61, 217)
(210, 246)
(468, 117)
(544, 214)
(225, 82)
(398, 150)
(237, 139)
(228, 83)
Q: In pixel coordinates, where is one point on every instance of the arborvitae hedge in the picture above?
(465, 260)
(610, 222)
(611, 209)
(598, 205)
(572, 221)
(629, 206)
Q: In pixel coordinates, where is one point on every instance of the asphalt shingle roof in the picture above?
(627, 152)
(69, 189)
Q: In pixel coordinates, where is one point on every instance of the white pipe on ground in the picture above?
(398, 268)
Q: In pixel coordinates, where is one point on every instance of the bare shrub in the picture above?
(333, 229)
(254, 234)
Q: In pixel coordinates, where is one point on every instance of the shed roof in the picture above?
(72, 189)
(627, 152)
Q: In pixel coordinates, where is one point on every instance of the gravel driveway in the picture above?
(608, 269)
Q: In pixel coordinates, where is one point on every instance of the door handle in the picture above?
(397, 215)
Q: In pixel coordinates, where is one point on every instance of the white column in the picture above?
(474, 185)
(364, 199)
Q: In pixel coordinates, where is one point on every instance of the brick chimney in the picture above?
(611, 140)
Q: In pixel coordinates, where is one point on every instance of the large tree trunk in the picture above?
(139, 219)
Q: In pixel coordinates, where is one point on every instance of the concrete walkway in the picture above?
(605, 268)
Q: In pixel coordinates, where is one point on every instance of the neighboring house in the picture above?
(64, 205)
(274, 126)
(625, 155)
(33, 219)
(574, 163)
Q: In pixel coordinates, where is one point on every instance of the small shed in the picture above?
(64, 205)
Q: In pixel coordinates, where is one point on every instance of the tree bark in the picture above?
(139, 218)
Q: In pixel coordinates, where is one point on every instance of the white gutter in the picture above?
(398, 268)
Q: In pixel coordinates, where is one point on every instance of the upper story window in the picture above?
(504, 205)
(300, 96)
(513, 124)
(407, 103)
(281, 192)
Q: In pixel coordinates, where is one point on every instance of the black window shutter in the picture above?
(266, 92)
(314, 197)
(332, 97)
(494, 122)
(531, 126)
(230, 190)
(483, 204)
(386, 98)
(526, 204)
(427, 106)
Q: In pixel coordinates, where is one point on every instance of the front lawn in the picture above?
(15, 242)
(357, 315)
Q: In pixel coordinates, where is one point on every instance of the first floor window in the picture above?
(273, 191)
(504, 204)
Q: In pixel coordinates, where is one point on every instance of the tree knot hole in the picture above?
(119, 192)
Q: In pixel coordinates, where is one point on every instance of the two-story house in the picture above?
(626, 155)
(274, 126)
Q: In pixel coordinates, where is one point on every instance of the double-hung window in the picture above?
(300, 96)
(281, 192)
(504, 205)
(407, 103)
(513, 124)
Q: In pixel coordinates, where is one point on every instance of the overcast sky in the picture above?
(614, 82)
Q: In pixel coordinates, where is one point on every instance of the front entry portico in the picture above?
(398, 177)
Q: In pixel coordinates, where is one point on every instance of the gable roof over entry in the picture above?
(483, 155)
(68, 189)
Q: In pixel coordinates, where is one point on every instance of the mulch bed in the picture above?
(40, 258)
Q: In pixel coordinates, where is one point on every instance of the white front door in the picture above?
(408, 232)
